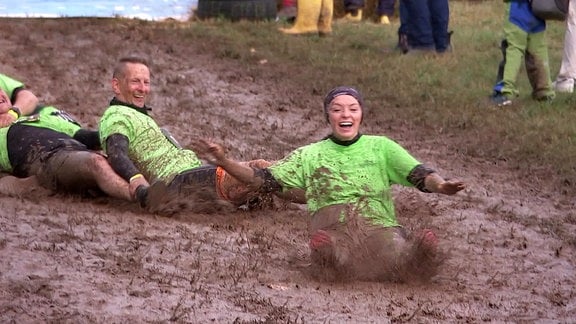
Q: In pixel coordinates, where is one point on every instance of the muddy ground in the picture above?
(66, 259)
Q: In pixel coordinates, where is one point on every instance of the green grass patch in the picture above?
(440, 93)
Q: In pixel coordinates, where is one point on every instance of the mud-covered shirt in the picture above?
(149, 149)
(45, 131)
(360, 174)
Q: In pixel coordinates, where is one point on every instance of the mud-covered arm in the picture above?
(428, 180)
(89, 138)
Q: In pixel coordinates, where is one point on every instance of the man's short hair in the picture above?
(121, 65)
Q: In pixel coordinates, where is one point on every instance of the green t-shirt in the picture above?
(9, 85)
(52, 118)
(150, 151)
(360, 174)
(47, 117)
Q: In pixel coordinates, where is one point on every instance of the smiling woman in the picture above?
(145, 9)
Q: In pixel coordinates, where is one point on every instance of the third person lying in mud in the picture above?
(347, 180)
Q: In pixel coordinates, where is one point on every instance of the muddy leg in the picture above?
(81, 170)
(18, 187)
(422, 258)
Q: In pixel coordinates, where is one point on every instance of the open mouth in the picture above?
(345, 124)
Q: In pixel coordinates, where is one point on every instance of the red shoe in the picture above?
(319, 239)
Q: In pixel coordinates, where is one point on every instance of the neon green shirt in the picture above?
(9, 85)
(360, 174)
(48, 117)
(150, 151)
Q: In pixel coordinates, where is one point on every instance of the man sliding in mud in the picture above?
(49, 148)
(347, 178)
(142, 152)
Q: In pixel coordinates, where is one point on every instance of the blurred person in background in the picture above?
(565, 79)
(385, 11)
(288, 10)
(354, 10)
(313, 17)
(524, 43)
(426, 25)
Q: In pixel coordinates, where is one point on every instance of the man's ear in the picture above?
(116, 85)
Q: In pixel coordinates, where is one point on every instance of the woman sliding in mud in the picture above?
(347, 180)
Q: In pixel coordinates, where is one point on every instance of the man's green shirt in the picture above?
(47, 117)
(150, 151)
(9, 85)
(360, 174)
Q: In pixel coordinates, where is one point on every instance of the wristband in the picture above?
(14, 112)
(136, 176)
(17, 111)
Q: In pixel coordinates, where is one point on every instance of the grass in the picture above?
(445, 95)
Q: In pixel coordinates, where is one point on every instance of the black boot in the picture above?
(403, 43)
(142, 196)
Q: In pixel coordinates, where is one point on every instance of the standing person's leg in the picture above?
(306, 19)
(418, 25)
(404, 17)
(439, 20)
(82, 170)
(538, 67)
(565, 79)
(326, 14)
(385, 10)
(517, 41)
(403, 29)
(353, 10)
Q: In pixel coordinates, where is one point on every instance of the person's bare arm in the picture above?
(215, 154)
(26, 101)
(24, 104)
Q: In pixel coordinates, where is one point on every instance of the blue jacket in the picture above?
(521, 15)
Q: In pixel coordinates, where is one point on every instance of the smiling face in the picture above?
(132, 84)
(5, 103)
(344, 116)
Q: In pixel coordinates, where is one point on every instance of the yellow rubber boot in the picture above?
(325, 21)
(384, 20)
(353, 18)
(306, 19)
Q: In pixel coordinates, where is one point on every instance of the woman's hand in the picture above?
(209, 151)
(451, 187)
